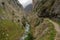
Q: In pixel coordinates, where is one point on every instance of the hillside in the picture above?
(40, 27)
(11, 13)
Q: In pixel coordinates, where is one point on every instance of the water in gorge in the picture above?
(27, 29)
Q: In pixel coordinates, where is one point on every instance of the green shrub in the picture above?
(30, 37)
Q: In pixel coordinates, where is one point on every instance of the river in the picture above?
(27, 29)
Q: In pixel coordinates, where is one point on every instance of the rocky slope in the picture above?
(11, 8)
(11, 14)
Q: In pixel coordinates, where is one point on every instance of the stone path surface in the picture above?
(57, 28)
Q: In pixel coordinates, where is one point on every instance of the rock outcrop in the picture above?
(12, 9)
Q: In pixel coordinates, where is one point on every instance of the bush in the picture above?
(30, 37)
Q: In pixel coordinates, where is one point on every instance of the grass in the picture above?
(30, 37)
(10, 30)
(1, 10)
(50, 34)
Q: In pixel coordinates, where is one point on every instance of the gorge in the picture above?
(29, 19)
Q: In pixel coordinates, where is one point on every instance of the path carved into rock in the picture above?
(57, 28)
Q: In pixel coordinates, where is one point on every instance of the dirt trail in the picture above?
(56, 25)
(57, 28)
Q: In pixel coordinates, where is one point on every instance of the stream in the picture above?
(27, 29)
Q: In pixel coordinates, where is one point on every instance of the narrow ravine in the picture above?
(27, 29)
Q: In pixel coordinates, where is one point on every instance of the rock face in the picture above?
(47, 8)
(13, 10)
